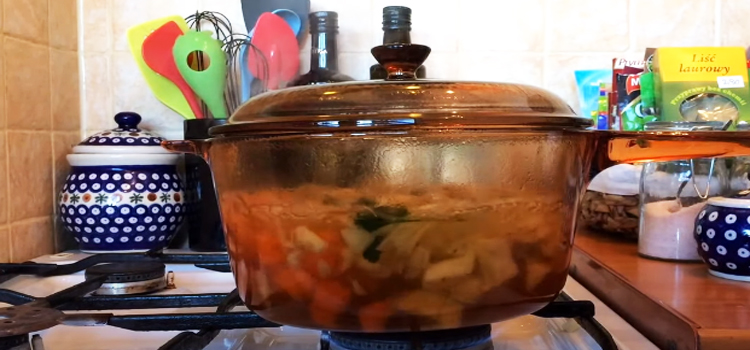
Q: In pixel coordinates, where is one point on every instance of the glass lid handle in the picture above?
(401, 60)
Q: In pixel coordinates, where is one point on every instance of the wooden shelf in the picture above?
(678, 306)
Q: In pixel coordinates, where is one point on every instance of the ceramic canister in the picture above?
(123, 193)
(722, 231)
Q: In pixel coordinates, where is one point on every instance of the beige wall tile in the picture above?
(560, 72)
(31, 238)
(428, 24)
(673, 23)
(30, 168)
(494, 26)
(442, 66)
(63, 24)
(4, 194)
(734, 25)
(5, 245)
(538, 42)
(355, 30)
(62, 144)
(97, 90)
(595, 25)
(133, 94)
(96, 30)
(512, 68)
(26, 19)
(230, 8)
(3, 118)
(356, 64)
(64, 90)
(27, 85)
(127, 13)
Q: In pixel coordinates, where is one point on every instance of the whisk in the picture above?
(240, 85)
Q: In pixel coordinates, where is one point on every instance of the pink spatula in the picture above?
(277, 42)
(157, 53)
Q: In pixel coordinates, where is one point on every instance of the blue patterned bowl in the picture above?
(722, 231)
(123, 193)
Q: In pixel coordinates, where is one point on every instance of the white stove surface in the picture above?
(527, 333)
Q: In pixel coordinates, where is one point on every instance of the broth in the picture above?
(379, 259)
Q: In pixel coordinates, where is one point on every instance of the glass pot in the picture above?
(405, 205)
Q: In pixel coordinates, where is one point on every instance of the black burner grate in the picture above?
(453, 339)
(216, 262)
(78, 298)
(14, 341)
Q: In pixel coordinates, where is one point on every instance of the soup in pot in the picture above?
(390, 259)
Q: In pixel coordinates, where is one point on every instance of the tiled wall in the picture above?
(39, 120)
(539, 42)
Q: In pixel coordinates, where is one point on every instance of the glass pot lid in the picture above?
(401, 101)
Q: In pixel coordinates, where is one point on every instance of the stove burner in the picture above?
(454, 339)
(129, 278)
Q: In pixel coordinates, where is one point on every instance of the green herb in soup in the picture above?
(395, 259)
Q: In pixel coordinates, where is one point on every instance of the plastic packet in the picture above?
(588, 83)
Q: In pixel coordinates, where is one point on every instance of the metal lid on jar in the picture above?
(125, 138)
(401, 101)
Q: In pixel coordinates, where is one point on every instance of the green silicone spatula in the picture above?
(164, 90)
(209, 83)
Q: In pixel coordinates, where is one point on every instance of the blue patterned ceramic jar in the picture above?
(722, 231)
(123, 193)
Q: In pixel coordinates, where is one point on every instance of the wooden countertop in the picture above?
(678, 306)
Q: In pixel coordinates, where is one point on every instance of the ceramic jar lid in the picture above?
(125, 138)
(126, 145)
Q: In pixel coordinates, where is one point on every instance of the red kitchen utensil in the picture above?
(157, 53)
(276, 41)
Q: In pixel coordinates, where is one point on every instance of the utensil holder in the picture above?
(205, 229)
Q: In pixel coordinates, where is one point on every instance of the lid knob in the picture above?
(127, 120)
(401, 60)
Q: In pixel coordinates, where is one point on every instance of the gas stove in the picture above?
(178, 300)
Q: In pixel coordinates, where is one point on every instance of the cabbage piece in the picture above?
(494, 261)
(375, 270)
(445, 312)
(308, 240)
(535, 273)
(467, 290)
(450, 268)
(418, 263)
(356, 239)
(399, 242)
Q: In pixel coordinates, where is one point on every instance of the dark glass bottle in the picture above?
(396, 30)
(324, 65)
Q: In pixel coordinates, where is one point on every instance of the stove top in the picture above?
(43, 305)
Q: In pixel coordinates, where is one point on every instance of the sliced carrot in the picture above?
(332, 236)
(331, 295)
(270, 250)
(298, 284)
(372, 317)
(326, 264)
